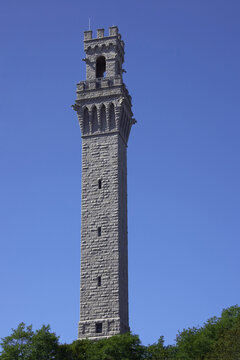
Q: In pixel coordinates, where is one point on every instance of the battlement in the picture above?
(103, 43)
(99, 83)
(112, 31)
(104, 88)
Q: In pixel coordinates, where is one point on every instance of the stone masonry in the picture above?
(103, 107)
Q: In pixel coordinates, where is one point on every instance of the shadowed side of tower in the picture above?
(103, 107)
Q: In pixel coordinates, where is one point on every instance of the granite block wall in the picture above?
(103, 237)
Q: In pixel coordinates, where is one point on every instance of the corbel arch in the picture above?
(103, 118)
(86, 127)
(112, 117)
(94, 119)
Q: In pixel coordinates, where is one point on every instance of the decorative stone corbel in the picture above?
(75, 107)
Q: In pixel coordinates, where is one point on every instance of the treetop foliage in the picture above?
(217, 339)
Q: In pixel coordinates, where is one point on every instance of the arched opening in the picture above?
(100, 67)
(112, 122)
(103, 118)
(85, 121)
(94, 120)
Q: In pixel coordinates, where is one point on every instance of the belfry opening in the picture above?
(100, 67)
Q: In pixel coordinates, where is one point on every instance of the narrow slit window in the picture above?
(99, 183)
(99, 281)
(99, 231)
(98, 328)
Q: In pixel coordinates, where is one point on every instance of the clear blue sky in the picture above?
(182, 62)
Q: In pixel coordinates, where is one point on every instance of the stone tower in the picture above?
(103, 107)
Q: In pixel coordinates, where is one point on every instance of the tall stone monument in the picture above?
(103, 107)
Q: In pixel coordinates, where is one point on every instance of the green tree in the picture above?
(24, 344)
(157, 350)
(197, 343)
(227, 345)
(17, 345)
(118, 347)
(78, 350)
(171, 351)
(192, 344)
(44, 345)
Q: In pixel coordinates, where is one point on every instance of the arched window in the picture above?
(112, 122)
(85, 121)
(94, 120)
(100, 67)
(103, 118)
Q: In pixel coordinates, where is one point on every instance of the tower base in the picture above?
(100, 328)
